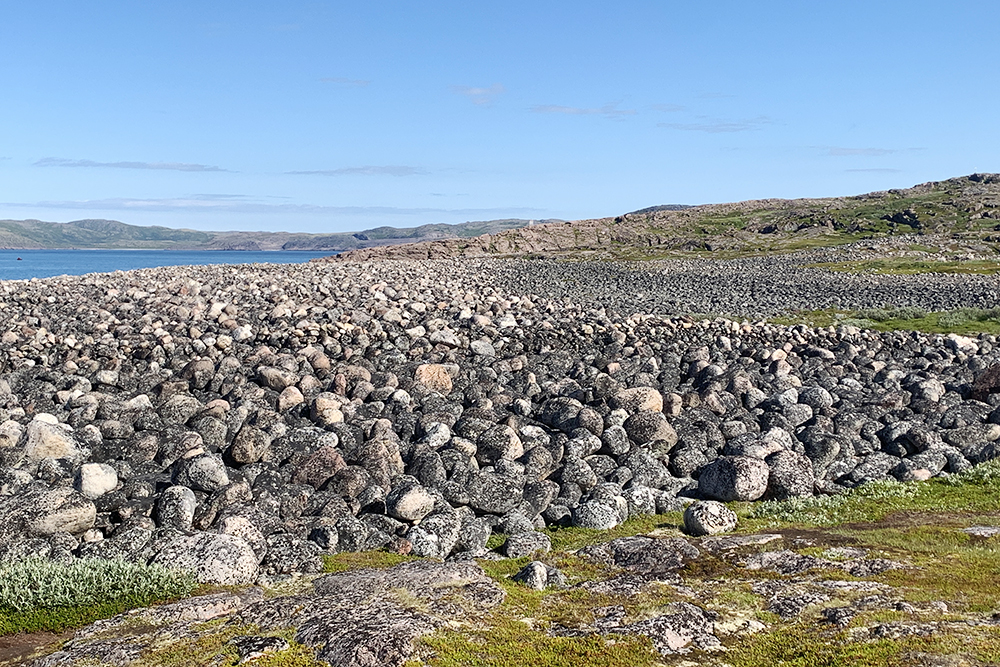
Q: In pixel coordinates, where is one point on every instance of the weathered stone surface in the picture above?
(525, 544)
(215, 559)
(39, 511)
(434, 376)
(734, 478)
(708, 517)
(409, 502)
(644, 555)
(539, 576)
(93, 480)
(47, 439)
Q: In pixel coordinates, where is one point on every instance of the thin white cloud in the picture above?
(237, 204)
(169, 166)
(866, 152)
(368, 170)
(608, 110)
(480, 96)
(668, 108)
(357, 83)
(719, 126)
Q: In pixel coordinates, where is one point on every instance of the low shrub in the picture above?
(37, 594)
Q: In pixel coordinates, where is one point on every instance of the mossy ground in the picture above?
(211, 648)
(345, 562)
(917, 524)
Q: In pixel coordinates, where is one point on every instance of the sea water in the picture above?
(25, 264)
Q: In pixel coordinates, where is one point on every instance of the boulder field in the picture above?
(241, 421)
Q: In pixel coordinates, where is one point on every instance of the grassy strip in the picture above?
(904, 266)
(345, 562)
(801, 645)
(41, 595)
(960, 321)
(513, 642)
(975, 491)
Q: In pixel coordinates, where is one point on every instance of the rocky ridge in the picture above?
(966, 208)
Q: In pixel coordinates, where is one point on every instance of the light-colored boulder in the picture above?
(226, 560)
(93, 480)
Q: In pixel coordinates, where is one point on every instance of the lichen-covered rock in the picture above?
(226, 560)
(539, 576)
(734, 478)
(40, 511)
(525, 544)
(409, 502)
(644, 555)
(93, 480)
(708, 517)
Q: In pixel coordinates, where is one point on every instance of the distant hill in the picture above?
(661, 207)
(964, 209)
(111, 234)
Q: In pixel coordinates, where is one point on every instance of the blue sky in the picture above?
(335, 116)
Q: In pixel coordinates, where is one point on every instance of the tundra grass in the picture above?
(907, 266)
(359, 560)
(41, 595)
(960, 321)
(801, 645)
(212, 648)
(973, 493)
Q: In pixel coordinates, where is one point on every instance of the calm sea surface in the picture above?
(47, 263)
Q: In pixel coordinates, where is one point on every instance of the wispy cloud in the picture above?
(368, 170)
(608, 110)
(878, 170)
(357, 83)
(480, 96)
(668, 108)
(719, 126)
(840, 151)
(169, 166)
(241, 204)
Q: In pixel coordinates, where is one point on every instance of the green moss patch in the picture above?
(212, 649)
(360, 560)
(514, 643)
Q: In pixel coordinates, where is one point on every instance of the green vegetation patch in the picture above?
(906, 266)
(960, 321)
(212, 648)
(973, 492)
(916, 523)
(37, 595)
(360, 560)
(801, 645)
(515, 643)
(575, 538)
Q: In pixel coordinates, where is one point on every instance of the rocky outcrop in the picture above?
(366, 618)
